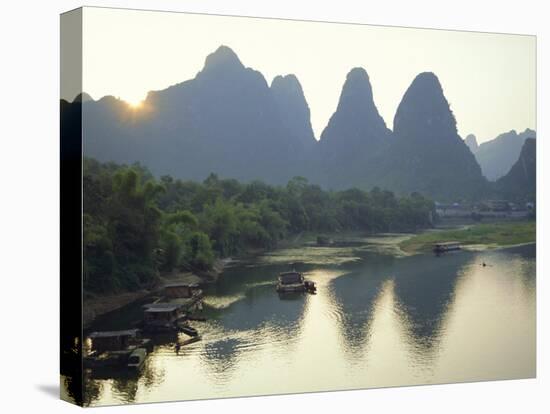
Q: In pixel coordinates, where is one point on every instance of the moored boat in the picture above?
(137, 358)
(290, 282)
(161, 317)
(188, 330)
(443, 247)
(112, 349)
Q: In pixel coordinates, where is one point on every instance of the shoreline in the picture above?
(101, 305)
(97, 306)
(477, 237)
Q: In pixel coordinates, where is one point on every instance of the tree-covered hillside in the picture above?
(136, 226)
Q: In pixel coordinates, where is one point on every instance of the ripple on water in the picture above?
(442, 320)
(222, 302)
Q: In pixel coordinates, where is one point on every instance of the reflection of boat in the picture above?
(107, 359)
(443, 247)
(137, 358)
(191, 340)
(290, 282)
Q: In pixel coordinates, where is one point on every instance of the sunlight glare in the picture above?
(134, 103)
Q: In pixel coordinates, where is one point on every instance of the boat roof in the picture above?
(447, 242)
(289, 273)
(112, 334)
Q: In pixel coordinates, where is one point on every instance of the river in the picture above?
(379, 319)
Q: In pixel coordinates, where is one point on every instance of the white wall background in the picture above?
(29, 207)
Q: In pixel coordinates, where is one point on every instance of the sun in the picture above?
(135, 104)
(133, 100)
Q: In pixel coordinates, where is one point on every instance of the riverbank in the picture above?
(493, 234)
(98, 305)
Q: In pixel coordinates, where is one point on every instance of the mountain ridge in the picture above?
(228, 120)
(497, 156)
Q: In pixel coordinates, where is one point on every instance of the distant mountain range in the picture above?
(228, 120)
(497, 156)
(520, 182)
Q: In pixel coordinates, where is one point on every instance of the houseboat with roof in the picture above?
(161, 317)
(167, 318)
(290, 282)
(168, 313)
(112, 349)
(188, 296)
(182, 290)
(444, 247)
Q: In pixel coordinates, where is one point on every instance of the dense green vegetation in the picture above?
(501, 234)
(136, 226)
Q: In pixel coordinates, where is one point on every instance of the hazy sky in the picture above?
(489, 79)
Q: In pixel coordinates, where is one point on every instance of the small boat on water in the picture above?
(137, 358)
(188, 330)
(290, 282)
(443, 247)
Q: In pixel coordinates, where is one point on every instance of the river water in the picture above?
(379, 319)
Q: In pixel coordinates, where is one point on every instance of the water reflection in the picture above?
(424, 292)
(353, 299)
(377, 321)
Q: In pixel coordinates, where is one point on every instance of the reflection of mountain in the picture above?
(424, 289)
(283, 314)
(355, 296)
